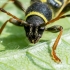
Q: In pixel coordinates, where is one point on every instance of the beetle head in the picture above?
(35, 28)
(34, 33)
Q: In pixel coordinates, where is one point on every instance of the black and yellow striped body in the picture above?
(41, 10)
(39, 13)
(45, 9)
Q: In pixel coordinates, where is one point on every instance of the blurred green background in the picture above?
(17, 53)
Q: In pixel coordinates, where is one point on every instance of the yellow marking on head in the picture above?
(38, 14)
(58, 2)
(43, 1)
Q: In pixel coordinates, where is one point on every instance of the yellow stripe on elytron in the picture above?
(58, 2)
(38, 14)
(43, 0)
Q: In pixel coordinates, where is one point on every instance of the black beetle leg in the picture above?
(19, 5)
(16, 3)
(13, 21)
(14, 17)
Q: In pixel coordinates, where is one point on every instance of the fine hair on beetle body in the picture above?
(37, 16)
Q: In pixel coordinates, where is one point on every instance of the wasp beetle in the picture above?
(38, 15)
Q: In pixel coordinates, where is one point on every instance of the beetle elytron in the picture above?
(39, 14)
